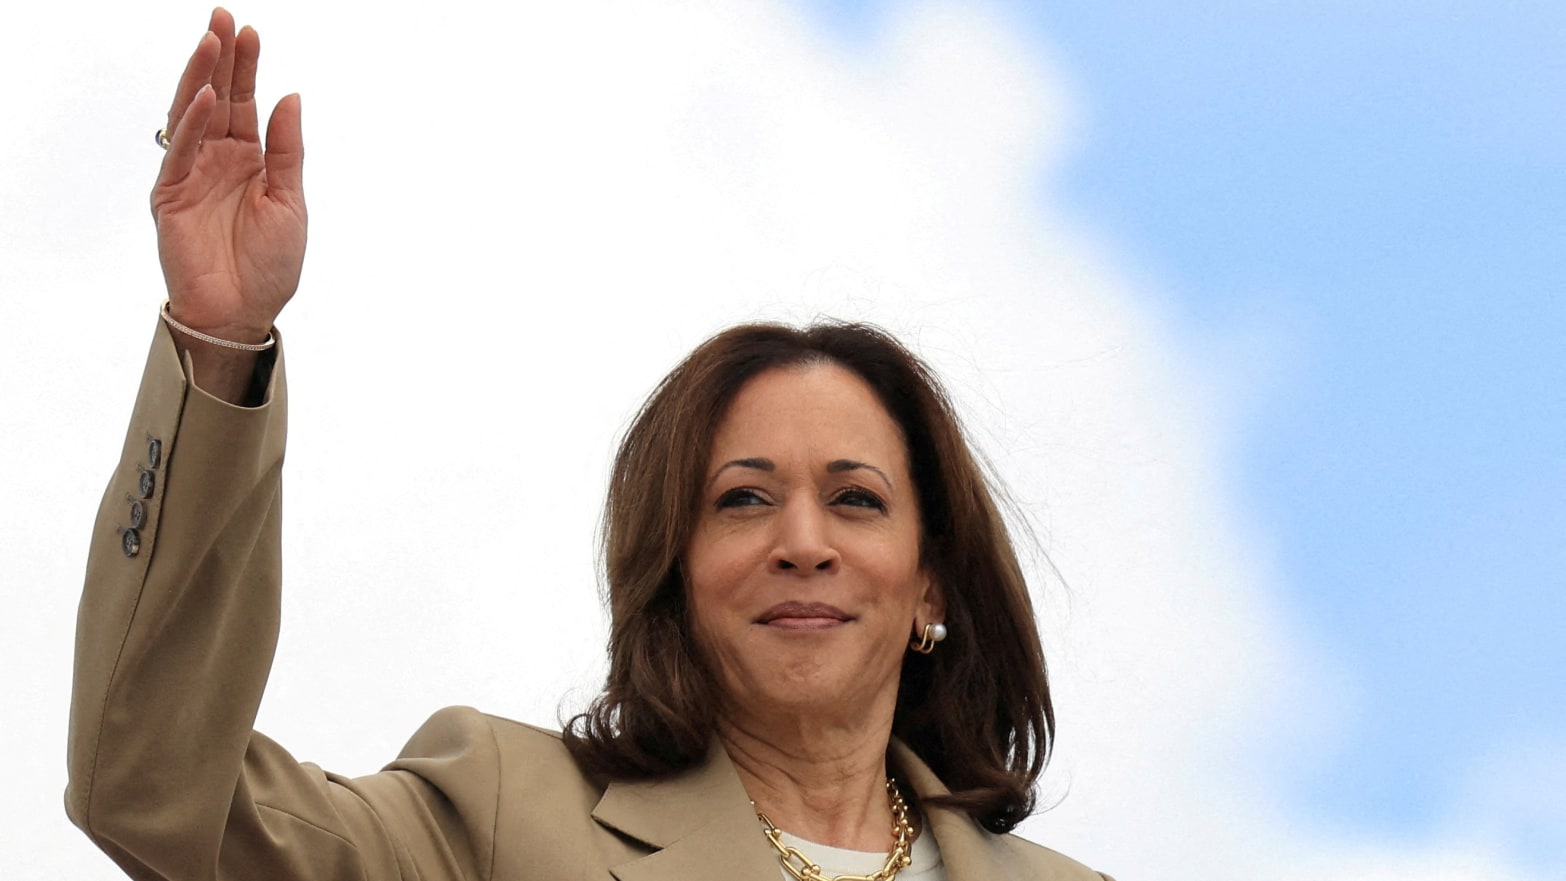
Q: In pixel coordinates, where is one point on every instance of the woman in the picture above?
(823, 657)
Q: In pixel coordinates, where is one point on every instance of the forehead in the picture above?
(815, 410)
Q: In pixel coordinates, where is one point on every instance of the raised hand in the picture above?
(230, 216)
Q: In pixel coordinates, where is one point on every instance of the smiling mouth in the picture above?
(803, 616)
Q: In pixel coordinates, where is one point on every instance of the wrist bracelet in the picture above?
(227, 344)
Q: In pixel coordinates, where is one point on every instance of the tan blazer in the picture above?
(177, 627)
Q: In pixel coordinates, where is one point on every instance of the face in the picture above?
(803, 570)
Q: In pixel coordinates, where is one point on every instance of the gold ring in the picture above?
(162, 137)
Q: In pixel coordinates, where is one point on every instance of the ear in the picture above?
(932, 602)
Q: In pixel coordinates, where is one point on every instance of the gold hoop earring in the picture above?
(925, 642)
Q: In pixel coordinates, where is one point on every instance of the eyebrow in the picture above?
(836, 466)
(757, 463)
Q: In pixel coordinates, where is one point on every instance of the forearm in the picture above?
(178, 619)
(175, 637)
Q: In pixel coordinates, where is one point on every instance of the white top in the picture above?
(926, 854)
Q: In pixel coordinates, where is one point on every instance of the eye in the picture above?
(855, 497)
(740, 497)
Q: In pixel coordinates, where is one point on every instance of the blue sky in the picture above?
(1381, 188)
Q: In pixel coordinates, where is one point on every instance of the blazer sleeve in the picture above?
(175, 634)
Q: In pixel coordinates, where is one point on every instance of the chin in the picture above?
(810, 686)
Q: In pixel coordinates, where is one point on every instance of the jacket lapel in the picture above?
(967, 851)
(700, 824)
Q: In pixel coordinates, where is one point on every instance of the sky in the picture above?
(1383, 187)
(1377, 193)
(1252, 307)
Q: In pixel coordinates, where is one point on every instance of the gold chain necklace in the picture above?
(803, 869)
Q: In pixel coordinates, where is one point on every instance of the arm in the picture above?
(177, 622)
(175, 635)
(178, 619)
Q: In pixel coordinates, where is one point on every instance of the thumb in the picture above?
(285, 151)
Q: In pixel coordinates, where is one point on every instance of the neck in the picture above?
(822, 782)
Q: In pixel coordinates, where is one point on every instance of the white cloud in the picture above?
(521, 218)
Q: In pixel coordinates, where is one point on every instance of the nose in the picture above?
(803, 542)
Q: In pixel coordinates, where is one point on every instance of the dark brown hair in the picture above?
(977, 710)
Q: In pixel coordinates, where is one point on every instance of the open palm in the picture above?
(231, 217)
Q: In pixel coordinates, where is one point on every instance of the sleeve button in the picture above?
(147, 483)
(154, 452)
(138, 514)
(130, 542)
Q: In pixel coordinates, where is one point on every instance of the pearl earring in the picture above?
(925, 642)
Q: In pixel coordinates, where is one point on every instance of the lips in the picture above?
(793, 614)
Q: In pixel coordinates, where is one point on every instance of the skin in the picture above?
(230, 215)
(804, 586)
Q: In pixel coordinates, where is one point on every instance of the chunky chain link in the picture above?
(803, 869)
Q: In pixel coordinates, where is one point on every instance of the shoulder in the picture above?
(474, 790)
(462, 741)
(1025, 859)
(481, 780)
(467, 754)
(456, 731)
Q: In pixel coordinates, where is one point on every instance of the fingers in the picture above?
(181, 156)
(198, 73)
(242, 122)
(222, 24)
(285, 152)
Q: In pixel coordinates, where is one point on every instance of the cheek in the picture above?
(711, 585)
(898, 568)
(719, 560)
